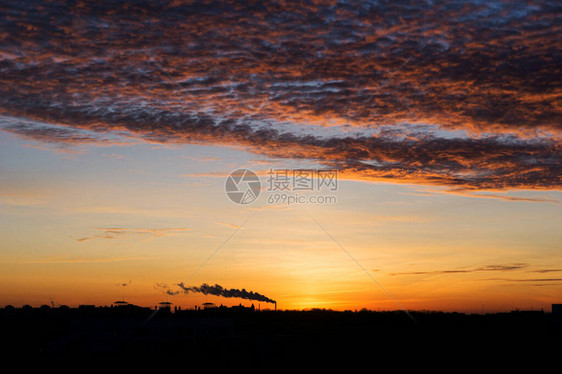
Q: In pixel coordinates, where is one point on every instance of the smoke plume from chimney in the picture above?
(218, 290)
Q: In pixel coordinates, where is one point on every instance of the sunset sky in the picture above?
(120, 122)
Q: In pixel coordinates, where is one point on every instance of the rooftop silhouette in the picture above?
(123, 329)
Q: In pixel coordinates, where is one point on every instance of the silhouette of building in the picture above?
(165, 306)
(557, 314)
(237, 331)
(209, 306)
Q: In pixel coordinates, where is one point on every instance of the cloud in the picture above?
(536, 281)
(546, 271)
(463, 95)
(119, 232)
(503, 197)
(61, 136)
(231, 225)
(73, 260)
(507, 267)
(501, 267)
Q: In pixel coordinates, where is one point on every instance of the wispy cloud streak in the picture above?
(493, 268)
(119, 232)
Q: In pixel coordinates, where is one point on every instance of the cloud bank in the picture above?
(464, 94)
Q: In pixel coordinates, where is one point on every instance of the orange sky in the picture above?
(119, 126)
(77, 226)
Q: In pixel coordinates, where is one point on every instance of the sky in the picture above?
(440, 121)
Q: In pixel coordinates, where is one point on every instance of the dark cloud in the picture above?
(507, 267)
(456, 93)
(501, 267)
(547, 271)
(538, 281)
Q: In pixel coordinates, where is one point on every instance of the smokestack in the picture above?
(276, 306)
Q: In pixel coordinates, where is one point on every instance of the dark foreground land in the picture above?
(232, 334)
